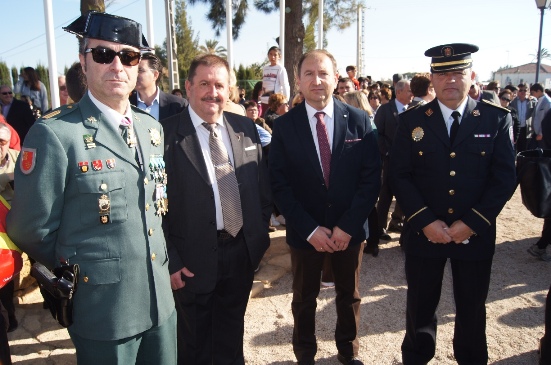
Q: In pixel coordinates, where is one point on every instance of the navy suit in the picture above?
(469, 180)
(20, 117)
(169, 104)
(306, 202)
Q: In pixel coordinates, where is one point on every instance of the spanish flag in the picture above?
(11, 261)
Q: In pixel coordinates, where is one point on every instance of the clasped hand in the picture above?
(325, 240)
(439, 232)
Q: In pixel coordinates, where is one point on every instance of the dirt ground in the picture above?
(515, 306)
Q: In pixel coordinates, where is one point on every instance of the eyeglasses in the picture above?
(7, 93)
(106, 56)
(507, 100)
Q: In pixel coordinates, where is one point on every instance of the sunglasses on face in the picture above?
(106, 56)
(7, 93)
(507, 100)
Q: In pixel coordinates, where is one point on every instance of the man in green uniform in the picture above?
(91, 191)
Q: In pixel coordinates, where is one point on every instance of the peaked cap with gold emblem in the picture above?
(451, 57)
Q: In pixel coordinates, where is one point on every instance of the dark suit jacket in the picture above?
(190, 224)
(297, 179)
(386, 121)
(20, 117)
(169, 104)
(530, 105)
(470, 180)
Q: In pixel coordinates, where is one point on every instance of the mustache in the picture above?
(211, 98)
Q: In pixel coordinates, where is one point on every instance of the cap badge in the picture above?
(447, 51)
(417, 134)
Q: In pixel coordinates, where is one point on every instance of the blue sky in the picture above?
(396, 32)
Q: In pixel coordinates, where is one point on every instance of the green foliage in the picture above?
(217, 14)
(187, 43)
(5, 78)
(211, 47)
(14, 74)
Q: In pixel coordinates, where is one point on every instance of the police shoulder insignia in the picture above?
(487, 102)
(27, 160)
(412, 108)
(417, 134)
(155, 136)
(51, 114)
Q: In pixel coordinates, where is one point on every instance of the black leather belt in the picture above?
(223, 235)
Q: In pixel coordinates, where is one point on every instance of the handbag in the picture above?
(11, 261)
(534, 177)
(58, 287)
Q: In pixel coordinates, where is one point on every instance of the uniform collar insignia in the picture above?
(429, 112)
(476, 112)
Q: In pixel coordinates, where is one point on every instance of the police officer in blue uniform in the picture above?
(453, 170)
(91, 191)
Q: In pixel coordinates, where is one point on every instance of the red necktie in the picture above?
(325, 150)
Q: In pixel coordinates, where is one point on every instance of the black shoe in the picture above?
(385, 236)
(351, 361)
(371, 248)
(395, 227)
(13, 324)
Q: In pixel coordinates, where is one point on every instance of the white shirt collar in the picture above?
(328, 110)
(111, 115)
(447, 112)
(400, 106)
(198, 121)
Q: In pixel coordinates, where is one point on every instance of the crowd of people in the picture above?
(171, 286)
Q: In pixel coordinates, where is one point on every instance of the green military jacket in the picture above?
(81, 196)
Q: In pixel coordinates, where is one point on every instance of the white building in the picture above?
(524, 73)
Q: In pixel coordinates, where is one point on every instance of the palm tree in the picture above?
(211, 47)
(544, 54)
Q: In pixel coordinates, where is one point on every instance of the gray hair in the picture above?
(5, 128)
(401, 85)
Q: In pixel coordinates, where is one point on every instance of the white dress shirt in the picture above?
(447, 113)
(152, 109)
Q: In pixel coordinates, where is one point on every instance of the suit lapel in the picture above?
(394, 110)
(469, 121)
(304, 132)
(190, 145)
(144, 138)
(236, 139)
(340, 122)
(106, 134)
(163, 106)
(435, 121)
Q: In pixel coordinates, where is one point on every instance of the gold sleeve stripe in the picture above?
(417, 212)
(481, 216)
(451, 63)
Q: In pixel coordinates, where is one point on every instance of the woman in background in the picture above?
(29, 85)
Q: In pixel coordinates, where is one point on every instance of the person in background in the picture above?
(351, 72)
(451, 198)
(76, 82)
(422, 89)
(326, 194)
(297, 99)
(505, 97)
(256, 94)
(177, 92)
(540, 110)
(82, 194)
(524, 105)
(30, 85)
(63, 94)
(386, 95)
(277, 105)
(17, 113)
(148, 96)
(374, 98)
(344, 86)
(274, 79)
(251, 109)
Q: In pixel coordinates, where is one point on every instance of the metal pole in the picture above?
(229, 31)
(359, 40)
(320, 24)
(52, 62)
(539, 46)
(171, 46)
(282, 31)
(149, 21)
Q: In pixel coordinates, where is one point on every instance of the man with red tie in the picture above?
(325, 172)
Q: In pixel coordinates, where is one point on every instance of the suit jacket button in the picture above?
(483, 153)
(452, 155)
(85, 279)
(420, 153)
(150, 232)
(452, 173)
(153, 256)
(452, 192)
(103, 187)
(329, 205)
(450, 210)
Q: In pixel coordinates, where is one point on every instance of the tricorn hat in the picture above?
(110, 28)
(451, 57)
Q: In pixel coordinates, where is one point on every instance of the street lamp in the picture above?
(541, 4)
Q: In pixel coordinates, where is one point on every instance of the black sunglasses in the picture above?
(106, 56)
(7, 93)
(507, 100)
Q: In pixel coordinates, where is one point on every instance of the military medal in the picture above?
(104, 205)
(131, 140)
(160, 200)
(110, 162)
(83, 166)
(88, 141)
(155, 136)
(97, 165)
(417, 134)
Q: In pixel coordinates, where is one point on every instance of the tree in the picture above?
(187, 44)
(5, 78)
(211, 47)
(43, 75)
(14, 74)
(337, 13)
(544, 54)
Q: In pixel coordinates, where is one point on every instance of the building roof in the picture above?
(525, 69)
